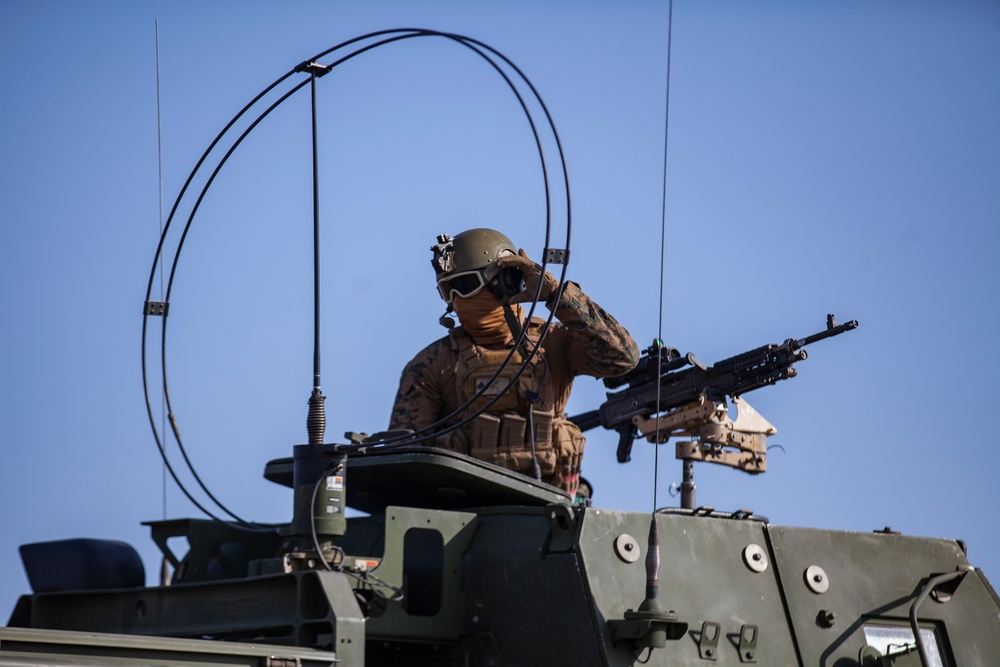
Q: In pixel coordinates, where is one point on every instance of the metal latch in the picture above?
(748, 643)
(708, 643)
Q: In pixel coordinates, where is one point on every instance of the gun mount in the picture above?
(672, 395)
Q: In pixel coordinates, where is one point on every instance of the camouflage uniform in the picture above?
(586, 341)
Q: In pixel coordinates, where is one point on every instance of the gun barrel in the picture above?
(832, 329)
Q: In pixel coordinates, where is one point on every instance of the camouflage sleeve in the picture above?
(596, 343)
(419, 399)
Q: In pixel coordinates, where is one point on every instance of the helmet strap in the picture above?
(515, 327)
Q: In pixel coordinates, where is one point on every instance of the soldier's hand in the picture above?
(532, 273)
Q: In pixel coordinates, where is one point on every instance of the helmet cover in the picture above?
(470, 250)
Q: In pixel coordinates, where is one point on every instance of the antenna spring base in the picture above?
(316, 421)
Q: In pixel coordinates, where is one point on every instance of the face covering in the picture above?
(482, 317)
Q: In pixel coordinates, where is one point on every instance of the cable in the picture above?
(441, 426)
(383, 37)
(170, 282)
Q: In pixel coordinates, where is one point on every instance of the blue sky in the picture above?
(823, 157)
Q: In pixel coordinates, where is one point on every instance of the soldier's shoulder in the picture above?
(557, 330)
(537, 322)
(431, 352)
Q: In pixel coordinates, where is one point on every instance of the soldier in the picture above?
(479, 276)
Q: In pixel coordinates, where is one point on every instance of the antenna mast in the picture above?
(316, 420)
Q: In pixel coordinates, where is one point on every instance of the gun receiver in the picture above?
(664, 382)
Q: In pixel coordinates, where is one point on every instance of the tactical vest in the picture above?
(502, 433)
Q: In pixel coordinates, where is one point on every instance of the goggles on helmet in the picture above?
(504, 283)
(464, 284)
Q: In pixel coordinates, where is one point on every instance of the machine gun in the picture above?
(669, 394)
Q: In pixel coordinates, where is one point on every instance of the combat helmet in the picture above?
(465, 264)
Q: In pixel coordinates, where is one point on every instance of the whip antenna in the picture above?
(663, 237)
(316, 420)
(159, 174)
(653, 541)
(164, 564)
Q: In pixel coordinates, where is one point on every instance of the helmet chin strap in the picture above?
(514, 325)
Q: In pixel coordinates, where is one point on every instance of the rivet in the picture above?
(755, 558)
(815, 578)
(627, 548)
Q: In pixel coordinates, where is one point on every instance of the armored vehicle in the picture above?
(459, 562)
(452, 561)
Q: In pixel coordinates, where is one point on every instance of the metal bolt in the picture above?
(749, 655)
(816, 579)
(709, 652)
(826, 618)
(758, 555)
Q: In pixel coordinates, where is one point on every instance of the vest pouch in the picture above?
(515, 448)
(568, 442)
(485, 436)
(542, 422)
(512, 432)
(520, 461)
